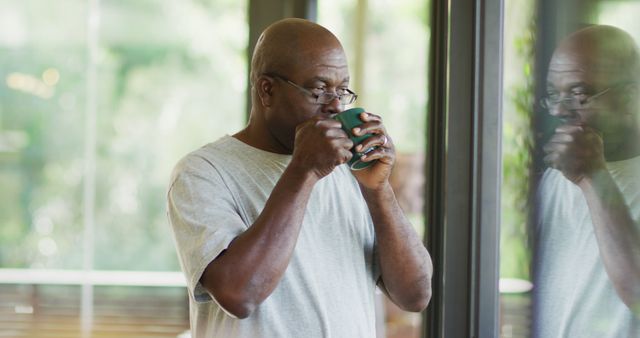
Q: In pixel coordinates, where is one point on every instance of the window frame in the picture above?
(464, 167)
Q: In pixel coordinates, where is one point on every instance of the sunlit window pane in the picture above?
(169, 77)
(174, 83)
(386, 43)
(42, 103)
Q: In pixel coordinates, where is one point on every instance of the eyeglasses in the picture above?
(575, 101)
(322, 96)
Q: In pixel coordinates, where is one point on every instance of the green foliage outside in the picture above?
(517, 145)
(171, 76)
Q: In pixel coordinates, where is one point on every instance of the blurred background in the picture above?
(100, 98)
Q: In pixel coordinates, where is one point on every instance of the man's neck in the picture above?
(261, 139)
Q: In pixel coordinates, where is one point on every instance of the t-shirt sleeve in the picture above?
(204, 219)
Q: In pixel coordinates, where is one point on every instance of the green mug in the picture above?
(350, 119)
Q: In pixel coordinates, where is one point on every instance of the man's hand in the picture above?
(320, 146)
(577, 151)
(377, 175)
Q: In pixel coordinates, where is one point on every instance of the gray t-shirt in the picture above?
(573, 294)
(218, 191)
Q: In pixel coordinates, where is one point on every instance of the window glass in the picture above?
(42, 102)
(176, 82)
(570, 228)
(386, 43)
(515, 249)
(621, 14)
(170, 76)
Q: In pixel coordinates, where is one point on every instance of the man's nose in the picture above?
(333, 107)
(560, 110)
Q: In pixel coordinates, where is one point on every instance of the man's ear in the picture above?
(631, 101)
(264, 86)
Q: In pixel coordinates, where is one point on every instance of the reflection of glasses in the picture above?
(321, 96)
(576, 101)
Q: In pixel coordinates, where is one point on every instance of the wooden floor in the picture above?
(43, 311)
(54, 312)
(515, 316)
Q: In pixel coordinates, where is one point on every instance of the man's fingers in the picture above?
(379, 140)
(562, 138)
(336, 133)
(345, 155)
(551, 160)
(365, 117)
(326, 122)
(346, 143)
(569, 128)
(381, 154)
(555, 147)
(372, 124)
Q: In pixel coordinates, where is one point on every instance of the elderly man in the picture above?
(588, 267)
(276, 236)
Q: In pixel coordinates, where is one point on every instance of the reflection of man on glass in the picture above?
(588, 271)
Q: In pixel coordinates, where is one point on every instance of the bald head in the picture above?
(602, 51)
(284, 46)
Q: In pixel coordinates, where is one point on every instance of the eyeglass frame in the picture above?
(324, 98)
(577, 103)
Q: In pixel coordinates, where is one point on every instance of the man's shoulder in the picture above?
(555, 191)
(229, 157)
(205, 159)
(552, 180)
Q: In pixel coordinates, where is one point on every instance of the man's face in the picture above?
(572, 75)
(320, 69)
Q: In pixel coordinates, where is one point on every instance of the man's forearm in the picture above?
(404, 261)
(617, 235)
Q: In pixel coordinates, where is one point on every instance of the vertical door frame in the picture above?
(464, 167)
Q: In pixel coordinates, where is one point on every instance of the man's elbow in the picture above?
(238, 311)
(234, 305)
(231, 296)
(420, 303)
(630, 296)
(417, 302)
